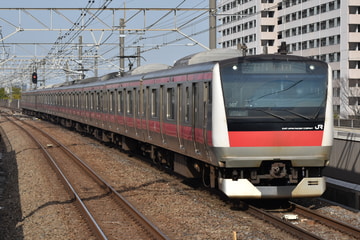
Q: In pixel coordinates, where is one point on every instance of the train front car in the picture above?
(272, 126)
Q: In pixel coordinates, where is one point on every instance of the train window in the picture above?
(120, 102)
(92, 101)
(143, 97)
(170, 103)
(72, 100)
(77, 98)
(98, 101)
(154, 107)
(129, 102)
(111, 102)
(66, 99)
(104, 101)
(187, 104)
(86, 100)
(138, 102)
(146, 101)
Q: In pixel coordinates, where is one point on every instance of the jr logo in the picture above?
(319, 127)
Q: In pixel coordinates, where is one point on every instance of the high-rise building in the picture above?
(328, 30)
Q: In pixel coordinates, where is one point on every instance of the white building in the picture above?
(328, 30)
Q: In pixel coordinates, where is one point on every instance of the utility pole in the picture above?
(82, 76)
(138, 61)
(96, 64)
(122, 46)
(212, 24)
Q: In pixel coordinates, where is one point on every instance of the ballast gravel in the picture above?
(34, 204)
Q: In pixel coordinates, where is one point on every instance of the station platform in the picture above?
(343, 171)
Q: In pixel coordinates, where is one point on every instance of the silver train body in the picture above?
(251, 126)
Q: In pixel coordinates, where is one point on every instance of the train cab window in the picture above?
(154, 107)
(129, 102)
(170, 103)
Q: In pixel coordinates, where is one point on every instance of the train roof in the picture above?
(209, 56)
(198, 62)
(149, 68)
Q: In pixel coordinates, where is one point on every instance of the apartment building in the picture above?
(328, 30)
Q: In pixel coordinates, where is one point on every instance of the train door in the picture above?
(129, 120)
(147, 109)
(200, 116)
(195, 116)
(111, 108)
(154, 122)
(186, 122)
(120, 127)
(139, 112)
(170, 115)
(179, 115)
(162, 110)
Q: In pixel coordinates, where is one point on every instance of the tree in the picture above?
(16, 93)
(3, 94)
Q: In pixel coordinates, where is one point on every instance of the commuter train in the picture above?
(251, 126)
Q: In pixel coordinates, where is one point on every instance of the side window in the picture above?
(143, 101)
(92, 101)
(187, 104)
(138, 102)
(120, 102)
(98, 101)
(111, 102)
(129, 102)
(154, 107)
(104, 101)
(170, 103)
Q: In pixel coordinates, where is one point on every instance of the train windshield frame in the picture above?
(274, 90)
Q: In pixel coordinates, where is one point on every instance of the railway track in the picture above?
(303, 232)
(109, 215)
(325, 220)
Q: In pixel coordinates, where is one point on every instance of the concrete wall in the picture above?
(345, 157)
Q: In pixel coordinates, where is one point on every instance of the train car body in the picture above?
(253, 126)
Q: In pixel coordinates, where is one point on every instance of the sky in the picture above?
(157, 44)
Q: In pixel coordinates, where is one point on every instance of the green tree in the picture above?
(16, 93)
(3, 94)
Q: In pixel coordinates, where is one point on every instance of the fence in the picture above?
(351, 123)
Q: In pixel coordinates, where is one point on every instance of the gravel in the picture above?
(34, 204)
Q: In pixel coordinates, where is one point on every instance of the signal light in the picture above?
(34, 78)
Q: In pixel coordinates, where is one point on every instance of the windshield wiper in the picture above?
(269, 113)
(298, 114)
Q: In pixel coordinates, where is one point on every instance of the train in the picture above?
(252, 127)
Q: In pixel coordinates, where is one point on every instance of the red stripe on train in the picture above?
(275, 138)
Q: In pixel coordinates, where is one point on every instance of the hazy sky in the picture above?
(160, 46)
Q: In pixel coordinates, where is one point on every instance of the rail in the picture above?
(138, 217)
(330, 222)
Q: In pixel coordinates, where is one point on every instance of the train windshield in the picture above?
(274, 89)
